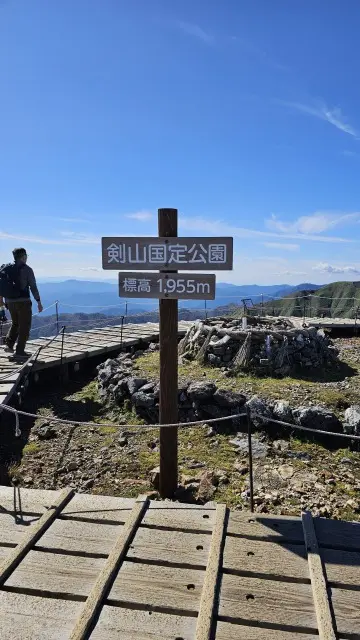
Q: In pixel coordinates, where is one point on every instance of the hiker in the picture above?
(16, 282)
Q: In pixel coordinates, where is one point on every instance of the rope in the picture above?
(195, 423)
(301, 428)
(78, 423)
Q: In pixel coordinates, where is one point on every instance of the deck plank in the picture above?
(128, 624)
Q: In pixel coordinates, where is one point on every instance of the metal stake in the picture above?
(251, 481)
(57, 315)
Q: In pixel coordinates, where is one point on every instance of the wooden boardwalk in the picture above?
(78, 346)
(75, 566)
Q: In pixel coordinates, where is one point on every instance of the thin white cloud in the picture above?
(349, 154)
(325, 267)
(70, 239)
(76, 220)
(318, 222)
(141, 216)
(282, 245)
(194, 30)
(321, 111)
(290, 273)
(221, 228)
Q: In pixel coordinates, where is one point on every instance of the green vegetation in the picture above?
(336, 300)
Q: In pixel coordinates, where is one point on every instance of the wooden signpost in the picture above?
(167, 253)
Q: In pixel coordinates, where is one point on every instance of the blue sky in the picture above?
(245, 115)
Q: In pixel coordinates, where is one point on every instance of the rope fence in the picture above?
(195, 423)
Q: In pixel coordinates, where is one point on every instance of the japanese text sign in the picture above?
(177, 286)
(196, 254)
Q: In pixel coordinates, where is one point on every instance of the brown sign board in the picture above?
(169, 286)
(142, 254)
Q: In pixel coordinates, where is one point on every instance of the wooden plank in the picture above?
(31, 617)
(79, 537)
(207, 603)
(284, 529)
(341, 567)
(268, 558)
(318, 581)
(128, 624)
(58, 574)
(169, 547)
(337, 533)
(183, 520)
(19, 552)
(346, 606)
(158, 586)
(267, 603)
(103, 583)
(13, 529)
(99, 508)
(233, 631)
(27, 501)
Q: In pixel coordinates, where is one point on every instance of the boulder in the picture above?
(120, 391)
(106, 371)
(259, 411)
(134, 384)
(229, 399)
(46, 432)
(143, 400)
(318, 418)
(282, 411)
(148, 387)
(259, 448)
(201, 392)
(352, 420)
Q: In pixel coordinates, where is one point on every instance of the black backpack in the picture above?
(10, 281)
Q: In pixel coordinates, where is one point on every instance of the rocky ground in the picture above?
(289, 473)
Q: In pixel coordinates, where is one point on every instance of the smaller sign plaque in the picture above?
(169, 286)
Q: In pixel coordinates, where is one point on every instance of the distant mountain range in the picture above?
(83, 296)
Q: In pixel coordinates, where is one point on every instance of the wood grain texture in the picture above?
(103, 583)
(128, 624)
(267, 602)
(346, 606)
(25, 617)
(204, 624)
(266, 558)
(13, 530)
(157, 586)
(229, 631)
(318, 580)
(281, 529)
(56, 573)
(170, 547)
(75, 536)
(168, 395)
(34, 533)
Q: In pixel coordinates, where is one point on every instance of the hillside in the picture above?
(336, 300)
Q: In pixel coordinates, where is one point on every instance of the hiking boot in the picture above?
(8, 349)
(22, 357)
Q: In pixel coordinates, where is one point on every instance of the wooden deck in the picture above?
(108, 568)
(78, 346)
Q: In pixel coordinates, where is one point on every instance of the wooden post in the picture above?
(168, 401)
